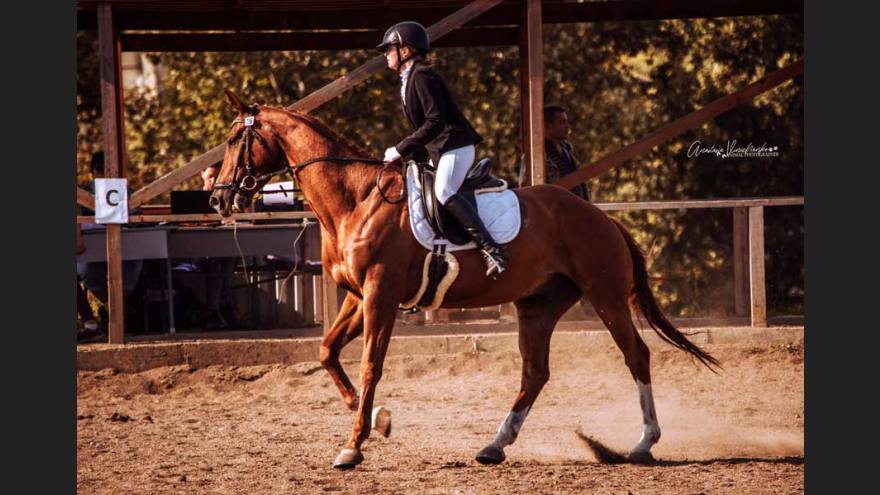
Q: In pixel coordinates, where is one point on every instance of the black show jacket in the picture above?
(439, 124)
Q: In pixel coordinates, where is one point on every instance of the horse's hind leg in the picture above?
(616, 316)
(348, 326)
(538, 314)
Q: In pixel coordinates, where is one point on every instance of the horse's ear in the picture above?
(235, 101)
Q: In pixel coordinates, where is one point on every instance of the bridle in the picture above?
(248, 183)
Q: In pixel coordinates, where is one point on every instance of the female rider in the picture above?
(442, 133)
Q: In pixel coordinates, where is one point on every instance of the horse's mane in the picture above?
(319, 126)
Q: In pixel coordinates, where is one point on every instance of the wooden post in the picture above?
(756, 266)
(330, 301)
(741, 261)
(526, 166)
(112, 126)
(319, 300)
(308, 308)
(535, 77)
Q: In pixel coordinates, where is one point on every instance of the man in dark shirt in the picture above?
(559, 155)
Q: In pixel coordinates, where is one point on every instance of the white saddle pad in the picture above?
(499, 211)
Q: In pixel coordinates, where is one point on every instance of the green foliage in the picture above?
(618, 81)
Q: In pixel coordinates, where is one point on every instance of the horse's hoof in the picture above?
(642, 457)
(348, 458)
(491, 455)
(382, 421)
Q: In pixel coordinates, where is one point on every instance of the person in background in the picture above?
(559, 156)
(90, 328)
(209, 175)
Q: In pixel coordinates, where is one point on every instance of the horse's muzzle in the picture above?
(241, 202)
(221, 201)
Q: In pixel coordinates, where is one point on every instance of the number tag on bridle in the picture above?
(249, 121)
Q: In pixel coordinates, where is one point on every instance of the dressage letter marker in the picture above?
(111, 201)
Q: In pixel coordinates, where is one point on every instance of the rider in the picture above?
(441, 132)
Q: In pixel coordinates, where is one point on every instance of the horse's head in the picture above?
(253, 154)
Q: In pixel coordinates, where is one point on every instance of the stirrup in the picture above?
(494, 265)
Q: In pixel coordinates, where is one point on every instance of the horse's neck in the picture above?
(333, 189)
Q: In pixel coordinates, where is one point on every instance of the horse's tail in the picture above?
(642, 297)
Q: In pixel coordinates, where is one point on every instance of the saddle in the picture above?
(438, 232)
(479, 180)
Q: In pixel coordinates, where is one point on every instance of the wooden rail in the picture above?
(749, 282)
(748, 244)
(748, 248)
(702, 203)
(209, 217)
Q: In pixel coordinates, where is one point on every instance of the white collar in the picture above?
(405, 72)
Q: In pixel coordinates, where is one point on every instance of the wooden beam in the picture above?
(649, 10)
(701, 203)
(168, 181)
(293, 41)
(535, 46)
(111, 118)
(683, 124)
(309, 103)
(210, 217)
(85, 198)
(741, 261)
(756, 266)
(185, 18)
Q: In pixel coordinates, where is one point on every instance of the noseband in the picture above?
(249, 182)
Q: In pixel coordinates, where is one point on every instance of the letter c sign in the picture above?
(111, 201)
(113, 197)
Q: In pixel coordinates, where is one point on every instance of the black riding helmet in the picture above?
(410, 32)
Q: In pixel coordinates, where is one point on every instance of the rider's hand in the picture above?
(391, 155)
(208, 176)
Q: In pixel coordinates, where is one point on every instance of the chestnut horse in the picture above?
(567, 250)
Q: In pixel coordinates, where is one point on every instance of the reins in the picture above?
(249, 182)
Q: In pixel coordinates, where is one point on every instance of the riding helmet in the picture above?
(410, 32)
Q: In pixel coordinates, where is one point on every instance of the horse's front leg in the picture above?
(379, 310)
(348, 325)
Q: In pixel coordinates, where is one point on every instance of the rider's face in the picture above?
(391, 57)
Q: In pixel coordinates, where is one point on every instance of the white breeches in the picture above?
(451, 172)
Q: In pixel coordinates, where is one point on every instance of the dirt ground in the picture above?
(276, 429)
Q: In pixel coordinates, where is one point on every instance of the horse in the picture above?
(567, 250)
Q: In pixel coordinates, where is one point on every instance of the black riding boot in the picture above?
(494, 254)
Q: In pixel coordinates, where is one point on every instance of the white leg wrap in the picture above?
(509, 429)
(650, 426)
